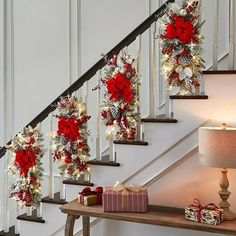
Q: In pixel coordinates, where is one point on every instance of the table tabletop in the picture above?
(156, 215)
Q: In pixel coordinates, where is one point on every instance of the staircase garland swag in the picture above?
(69, 143)
(181, 45)
(26, 167)
(120, 110)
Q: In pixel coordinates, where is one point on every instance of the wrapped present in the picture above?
(209, 214)
(125, 199)
(90, 197)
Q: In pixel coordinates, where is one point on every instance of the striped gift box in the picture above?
(125, 201)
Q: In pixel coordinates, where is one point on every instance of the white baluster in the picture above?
(8, 77)
(202, 85)
(142, 132)
(112, 151)
(87, 175)
(98, 137)
(29, 211)
(168, 105)
(216, 36)
(153, 77)
(51, 175)
(17, 223)
(139, 42)
(86, 92)
(40, 210)
(62, 187)
(231, 34)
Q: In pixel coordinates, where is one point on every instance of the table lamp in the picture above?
(217, 148)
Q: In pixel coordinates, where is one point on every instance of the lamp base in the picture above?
(224, 195)
(228, 214)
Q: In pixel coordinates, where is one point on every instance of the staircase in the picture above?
(169, 141)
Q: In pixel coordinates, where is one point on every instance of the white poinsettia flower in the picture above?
(188, 72)
(182, 75)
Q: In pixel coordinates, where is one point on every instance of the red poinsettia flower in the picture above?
(69, 128)
(120, 87)
(181, 29)
(25, 159)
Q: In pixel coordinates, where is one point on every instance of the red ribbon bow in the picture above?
(196, 204)
(87, 191)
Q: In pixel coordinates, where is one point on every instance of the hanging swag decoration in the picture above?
(120, 102)
(26, 167)
(181, 46)
(69, 143)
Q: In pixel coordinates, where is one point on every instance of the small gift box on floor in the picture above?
(88, 197)
(125, 199)
(210, 214)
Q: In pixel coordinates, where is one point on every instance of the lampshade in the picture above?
(217, 147)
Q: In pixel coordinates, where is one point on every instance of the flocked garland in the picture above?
(120, 103)
(26, 167)
(69, 143)
(181, 45)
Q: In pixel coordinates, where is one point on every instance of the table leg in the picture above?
(86, 226)
(70, 221)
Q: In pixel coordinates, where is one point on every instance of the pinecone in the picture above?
(115, 111)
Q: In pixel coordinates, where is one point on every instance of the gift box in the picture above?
(90, 197)
(209, 214)
(125, 199)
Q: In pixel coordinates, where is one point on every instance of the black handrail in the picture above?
(99, 65)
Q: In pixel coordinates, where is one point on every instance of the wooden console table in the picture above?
(156, 215)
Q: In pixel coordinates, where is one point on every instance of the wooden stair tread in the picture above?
(159, 119)
(10, 233)
(103, 163)
(55, 200)
(141, 143)
(218, 72)
(188, 97)
(81, 182)
(32, 218)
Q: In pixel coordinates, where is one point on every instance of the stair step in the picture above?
(10, 233)
(55, 200)
(188, 97)
(77, 182)
(141, 143)
(32, 218)
(159, 119)
(103, 163)
(219, 72)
